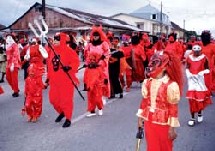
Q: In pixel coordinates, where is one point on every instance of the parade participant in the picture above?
(13, 63)
(33, 83)
(61, 66)
(127, 72)
(3, 58)
(159, 107)
(99, 44)
(197, 94)
(93, 78)
(24, 63)
(174, 46)
(114, 69)
(138, 57)
(208, 49)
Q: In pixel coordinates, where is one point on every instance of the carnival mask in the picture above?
(9, 41)
(157, 65)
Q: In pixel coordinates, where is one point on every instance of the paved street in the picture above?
(114, 131)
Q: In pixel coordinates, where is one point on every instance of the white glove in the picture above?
(204, 72)
(12, 67)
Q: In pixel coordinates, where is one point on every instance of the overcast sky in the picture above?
(198, 14)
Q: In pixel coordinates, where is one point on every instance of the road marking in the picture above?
(82, 116)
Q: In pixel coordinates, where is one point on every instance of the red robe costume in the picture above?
(13, 61)
(34, 84)
(94, 80)
(176, 49)
(138, 56)
(209, 51)
(197, 94)
(128, 70)
(61, 88)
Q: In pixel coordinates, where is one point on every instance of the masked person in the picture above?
(99, 44)
(13, 64)
(61, 90)
(159, 107)
(33, 83)
(93, 78)
(198, 94)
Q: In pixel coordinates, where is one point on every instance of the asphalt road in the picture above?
(114, 131)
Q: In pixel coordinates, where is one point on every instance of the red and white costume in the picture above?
(198, 94)
(159, 106)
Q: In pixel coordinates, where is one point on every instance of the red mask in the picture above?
(156, 65)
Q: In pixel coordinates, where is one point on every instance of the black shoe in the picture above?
(2, 81)
(15, 94)
(120, 95)
(59, 118)
(67, 123)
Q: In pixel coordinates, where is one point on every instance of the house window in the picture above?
(140, 25)
(154, 16)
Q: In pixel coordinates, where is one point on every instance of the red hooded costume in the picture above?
(61, 88)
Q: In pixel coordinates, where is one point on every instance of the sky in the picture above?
(194, 15)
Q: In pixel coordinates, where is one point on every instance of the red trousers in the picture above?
(95, 99)
(33, 93)
(61, 97)
(157, 137)
(12, 78)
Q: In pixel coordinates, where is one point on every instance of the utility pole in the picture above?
(184, 30)
(161, 18)
(44, 17)
(43, 9)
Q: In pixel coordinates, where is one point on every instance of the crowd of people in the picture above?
(112, 63)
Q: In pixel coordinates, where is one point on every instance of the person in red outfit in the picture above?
(158, 111)
(99, 44)
(174, 46)
(61, 90)
(93, 78)
(126, 63)
(33, 83)
(138, 57)
(208, 49)
(198, 94)
(13, 63)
